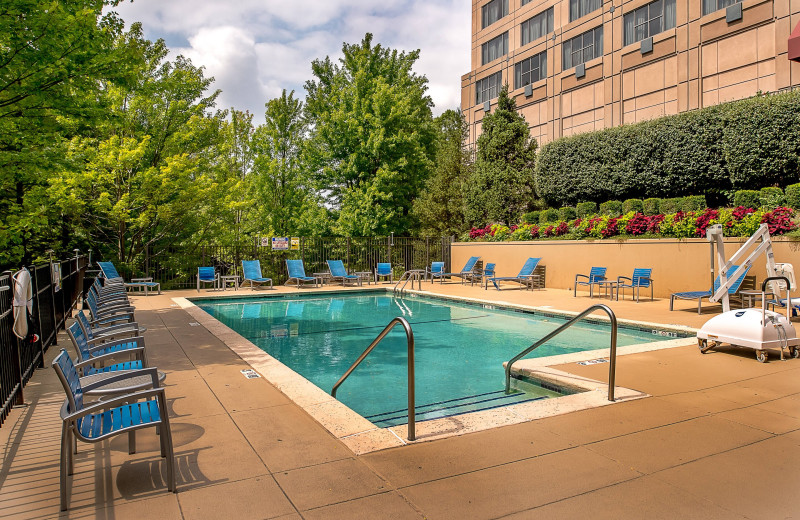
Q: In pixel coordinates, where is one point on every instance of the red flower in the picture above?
(779, 220)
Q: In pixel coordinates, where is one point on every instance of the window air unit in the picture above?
(733, 13)
(528, 90)
(647, 45)
(487, 106)
(580, 71)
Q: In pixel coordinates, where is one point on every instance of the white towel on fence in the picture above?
(23, 297)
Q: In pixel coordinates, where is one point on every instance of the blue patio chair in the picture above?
(93, 357)
(95, 422)
(596, 276)
(384, 270)
(207, 275)
(436, 270)
(99, 334)
(466, 273)
(110, 273)
(699, 295)
(338, 272)
(252, 273)
(488, 272)
(297, 272)
(640, 278)
(524, 277)
(108, 313)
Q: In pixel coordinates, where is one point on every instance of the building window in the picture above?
(578, 8)
(583, 48)
(709, 6)
(494, 48)
(493, 11)
(649, 20)
(488, 88)
(536, 27)
(530, 70)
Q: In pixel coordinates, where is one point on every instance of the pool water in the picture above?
(460, 348)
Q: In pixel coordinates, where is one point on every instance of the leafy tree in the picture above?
(440, 206)
(372, 136)
(500, 186)
(53, 56)
(138, 183)
(288, 207)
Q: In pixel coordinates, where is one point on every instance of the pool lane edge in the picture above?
(362, 436)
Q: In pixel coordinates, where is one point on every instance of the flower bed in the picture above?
(736, 222)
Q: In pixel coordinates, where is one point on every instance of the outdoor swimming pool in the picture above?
(460, 348)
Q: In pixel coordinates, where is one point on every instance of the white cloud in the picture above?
(255, 48)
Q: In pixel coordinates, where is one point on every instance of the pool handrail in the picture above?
(411, 274)
(411, 394)
(612, 369)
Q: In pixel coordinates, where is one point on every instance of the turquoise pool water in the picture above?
(460, 348)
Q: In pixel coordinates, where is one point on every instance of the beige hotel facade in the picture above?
(580, 65)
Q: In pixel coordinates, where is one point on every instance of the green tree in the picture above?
(53, 57)
(440, 206)
(287, 204)
(141, 181)
(372, 135)
(500, 186)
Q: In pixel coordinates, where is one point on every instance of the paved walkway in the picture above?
(720, 438)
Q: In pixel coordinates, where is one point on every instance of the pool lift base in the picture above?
(758, 329)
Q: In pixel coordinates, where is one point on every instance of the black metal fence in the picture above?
(176, 267)
(52, 304)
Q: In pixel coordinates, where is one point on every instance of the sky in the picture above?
(256, 48)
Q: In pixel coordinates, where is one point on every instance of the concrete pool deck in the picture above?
(718, 438)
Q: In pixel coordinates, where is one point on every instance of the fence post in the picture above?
(348, 253)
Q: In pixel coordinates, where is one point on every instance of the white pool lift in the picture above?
(759, 329)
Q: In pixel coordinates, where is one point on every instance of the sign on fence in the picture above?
(280, 243)
(295, 243)
(264, 241)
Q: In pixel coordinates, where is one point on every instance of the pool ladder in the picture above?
(411, 393)
(410, 275)
(612, 369)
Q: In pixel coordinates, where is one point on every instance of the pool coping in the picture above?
(361, 436)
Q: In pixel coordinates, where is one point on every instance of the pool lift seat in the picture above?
(749, 328)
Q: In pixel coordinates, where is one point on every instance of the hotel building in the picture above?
(581, 65)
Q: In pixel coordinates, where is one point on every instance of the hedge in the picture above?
(793, 196)
(548, 215)
(612, 208)
(739, 145)
(651, 206)
(771, 197)
(747, 198)
(585, 209)
(634, 205)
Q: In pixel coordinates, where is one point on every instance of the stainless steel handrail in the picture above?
(413, 274)
(411, 395)
(612, 369)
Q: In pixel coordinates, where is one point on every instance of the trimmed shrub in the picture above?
(668, 206)
(793, 196)
(634, 205)
(531, 217)
(612, 208)
(693, 203)
(587, 209)
(566, 213)
(548, 216)
(747, 199)
(743, 144)
(772, 197)
(651, 206)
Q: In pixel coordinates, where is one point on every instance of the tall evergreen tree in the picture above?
(500, 187)
(440, 206)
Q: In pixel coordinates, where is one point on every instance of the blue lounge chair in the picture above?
(252, 273)
(109, 313)
(338, 272)
(93, 357)
(640, 278)
(596, 276)
(699, 295)
(207, 275)
(436, 270)
(95, 422)
(488, 272)
(384, 270)
(110, 273)
(99, 333)
(524, 277)
(466, 273)
(298, 273)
